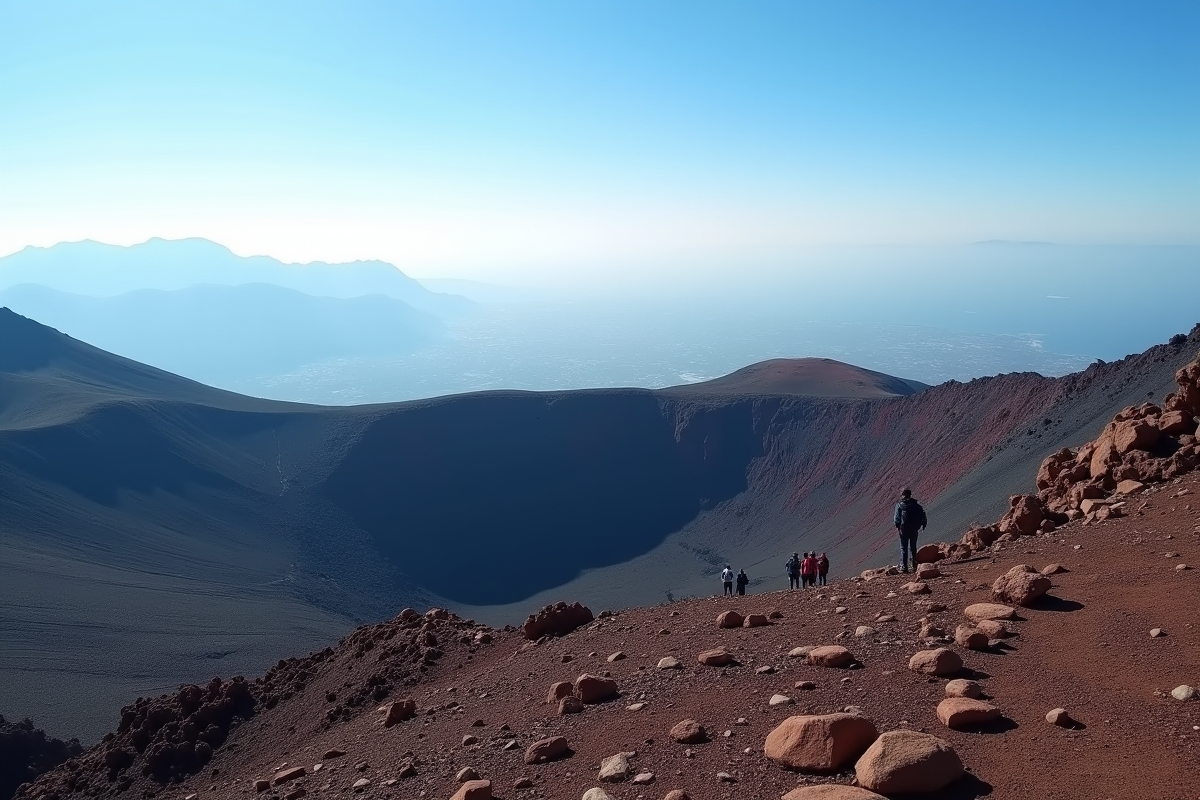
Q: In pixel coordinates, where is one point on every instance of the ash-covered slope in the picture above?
(158, 530)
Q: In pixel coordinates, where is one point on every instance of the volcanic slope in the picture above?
(158, 530)
(338, 723)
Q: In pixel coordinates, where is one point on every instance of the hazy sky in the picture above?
(507, 140)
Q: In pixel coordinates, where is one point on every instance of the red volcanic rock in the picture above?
(1176, 423)
(283, 776)
(1027, 513)
(907, 762)
(715, 658)
(570, 705)
(591, 689)
(965, 712)
(546, 749)
(930, 554)
(941, 661)
(559, 690)
(1134, 435)
(729, 619)
(688, 731)
(993, 629)
(831, 791)
(755, 621)
(556, 620)
(398, 711)
(978, 612)
(970, 638)
(474, 790)
(1021, 585)
(830, 655)
(823, 743)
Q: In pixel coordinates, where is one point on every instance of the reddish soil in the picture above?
(1086, 647)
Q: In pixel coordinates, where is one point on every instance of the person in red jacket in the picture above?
(822, 568)
(808, 570)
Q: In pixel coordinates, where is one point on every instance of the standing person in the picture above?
(909, 519)
(727, 579)
(822, 567)
(742, 580)
(793, 571)
(808, 570)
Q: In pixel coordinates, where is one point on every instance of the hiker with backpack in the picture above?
(727, 580)
(822, 568)
(742, 580)
(909, 519)
(808, 570)
(792, 568)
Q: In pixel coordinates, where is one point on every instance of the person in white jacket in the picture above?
(727, 579)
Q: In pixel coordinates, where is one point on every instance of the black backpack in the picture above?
(912, 516)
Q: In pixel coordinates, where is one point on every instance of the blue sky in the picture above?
(511, 141)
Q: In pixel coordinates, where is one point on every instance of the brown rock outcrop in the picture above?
(556, 620)
(908, 762)
(824, 743)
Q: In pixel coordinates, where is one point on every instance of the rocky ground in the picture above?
(1053, 655)
(481, 700)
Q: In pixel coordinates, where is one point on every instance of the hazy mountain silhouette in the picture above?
(216, 333)
(157, 530)
(93, 268)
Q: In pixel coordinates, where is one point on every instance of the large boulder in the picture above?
(830, 655)
(970, 638)
(942, 661)
(831, 791)
(592, 689)
(1027, 513)
(824, 743)
(929, 554)
(1176, 423)
(1134, 434)
(1021, 585)
(729, 619)
(556, 620)
(755, 621)
(965, 712)
(908, 762)
(978, 612)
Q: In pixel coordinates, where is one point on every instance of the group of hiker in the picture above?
(908, 518)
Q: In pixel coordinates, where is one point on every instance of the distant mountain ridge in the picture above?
(217, 333)
(159, 530)
(97, 269)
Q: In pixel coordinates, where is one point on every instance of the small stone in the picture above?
(725, 777)
(523, 783)
(360, 784)
(801, 652)
(546, 749)
(1185, 693)
(767, 670)
(741, 721)
(261, 785)
(1060, 717)
(669, 662)
(677, 794)
(960, 687)
(333, 753)
(635, 706)
(469, 740)
(1181, 567)
(614, 769)
(688, 731)
(840, 610)
(806, 686)
(1157, 632)
(617, 656)
(643, 778)
(864, 630)
(570, 705)
(466, 774)
(779, 700)
(596, 793)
